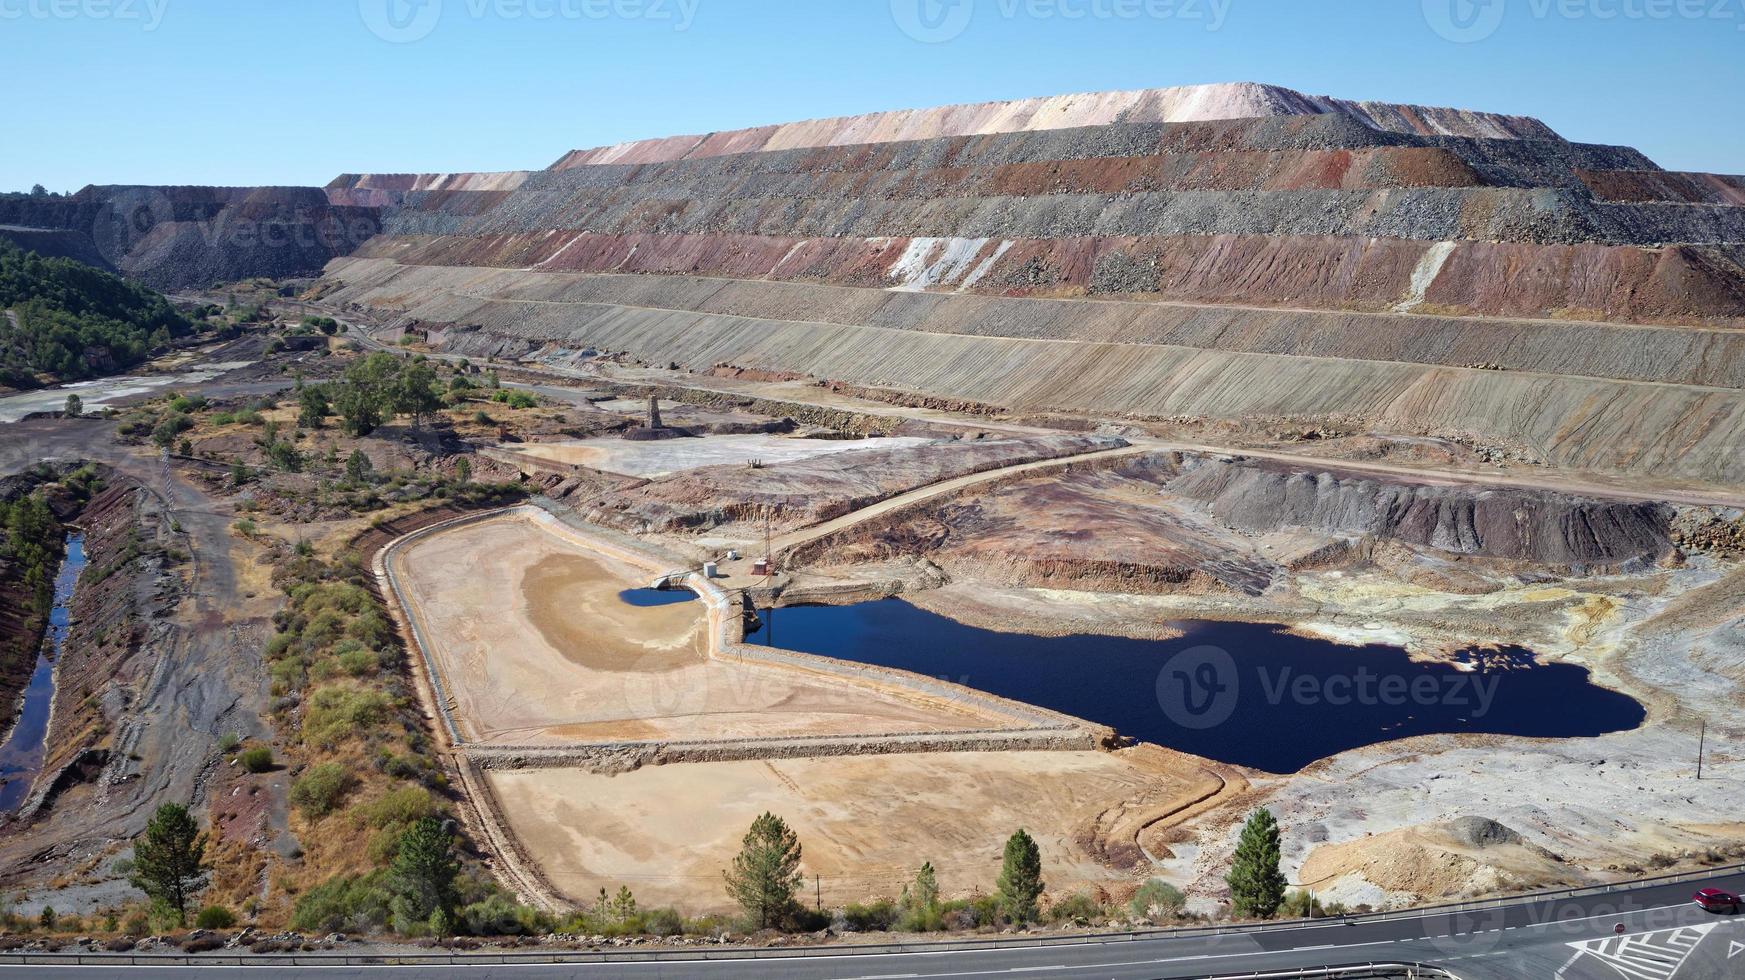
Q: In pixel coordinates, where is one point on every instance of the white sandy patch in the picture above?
(668, 456)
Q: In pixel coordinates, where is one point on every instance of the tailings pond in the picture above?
(21, 755)
(1244, 693)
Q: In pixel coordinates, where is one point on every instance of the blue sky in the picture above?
(297, 91)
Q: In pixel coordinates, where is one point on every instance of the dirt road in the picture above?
(209, 679)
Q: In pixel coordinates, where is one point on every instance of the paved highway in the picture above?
(1666, 938)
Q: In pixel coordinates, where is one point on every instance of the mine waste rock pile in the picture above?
(1234, 252)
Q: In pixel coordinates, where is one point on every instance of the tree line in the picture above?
(74, 321)
(420, 894)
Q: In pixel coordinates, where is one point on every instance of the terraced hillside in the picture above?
(1225, 252)
(178, 237)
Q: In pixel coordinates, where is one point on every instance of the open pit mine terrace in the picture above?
(1393, 376)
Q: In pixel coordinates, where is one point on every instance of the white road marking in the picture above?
(1649, 956)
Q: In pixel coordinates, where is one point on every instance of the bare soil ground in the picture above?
(668, 456)
(865, 822)
(536, 647)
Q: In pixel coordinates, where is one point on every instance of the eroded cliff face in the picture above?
(181, 237)
(1185, 523)
(1535, 527)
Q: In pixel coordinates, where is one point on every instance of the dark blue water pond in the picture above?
(21, 756)
(657, 597)
(1243, 693)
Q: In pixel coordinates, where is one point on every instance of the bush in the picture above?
(319, 790)
(257, 758)
(406, 805)
(358, 660)
(228, 743)
(1157, 897)
(214, 917)
(172, 426)
(350, 903)
(876, 916)
(1080, 908)
(338, 712)
(663, 922)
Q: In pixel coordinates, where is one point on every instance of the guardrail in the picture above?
(1355, 971)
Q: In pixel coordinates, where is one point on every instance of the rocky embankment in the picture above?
(1172, 523)
(183, 237)
(129, 585)
(1578, 534)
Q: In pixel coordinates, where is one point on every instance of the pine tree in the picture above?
(920, 903)
(422, 877)
(766, 873)
(168, 861)
(1020, 883)
(1257, 886)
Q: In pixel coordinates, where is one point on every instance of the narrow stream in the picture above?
(21, 756)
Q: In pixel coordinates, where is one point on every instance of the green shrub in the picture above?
(877, 916)
(229, 742)
(289, 674)
(406, 805)
(214, 917)
(359, 660)
(350, 903)
(170, 427)
(256, 758)
(319, 790)
(371, 629)
(1157, 897)
(279, 643)
(1079, 908)
(337, 712)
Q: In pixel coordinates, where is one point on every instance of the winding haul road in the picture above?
(1666, 937)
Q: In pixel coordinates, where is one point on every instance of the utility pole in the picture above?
(818, 892)
(1702, 743)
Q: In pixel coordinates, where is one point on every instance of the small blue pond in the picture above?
(21, 755)
(657, 597)
(1243, 693)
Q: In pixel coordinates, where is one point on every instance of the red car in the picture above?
(1716, 900)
